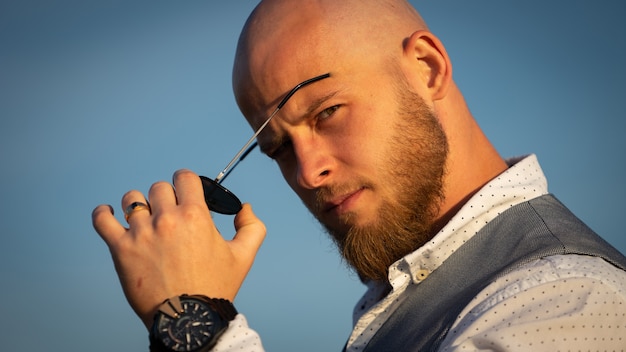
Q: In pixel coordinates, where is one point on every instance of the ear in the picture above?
(429, 62)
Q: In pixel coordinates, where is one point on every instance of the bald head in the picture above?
(285, 42)
(368, 46)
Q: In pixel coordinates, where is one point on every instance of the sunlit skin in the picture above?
(321, 146)
(334, 132)
(338, 131)
(153, 258)
(315, 149)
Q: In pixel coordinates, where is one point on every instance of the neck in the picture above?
(472, 161)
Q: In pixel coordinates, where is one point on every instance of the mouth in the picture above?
(343, 203)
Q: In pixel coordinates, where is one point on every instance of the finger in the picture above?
(132, 213)
(162, 197)
(188, 187)
(106, 225)
(250, 232)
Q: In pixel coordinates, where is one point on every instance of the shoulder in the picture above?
(574, 297)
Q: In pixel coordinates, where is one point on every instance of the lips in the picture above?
(339, 202)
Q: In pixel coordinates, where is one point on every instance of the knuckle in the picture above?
(130, 195)
(193, 212)
(184, 175)
(160, 186)
(165, 222)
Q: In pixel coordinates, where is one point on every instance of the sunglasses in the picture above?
(217, 197)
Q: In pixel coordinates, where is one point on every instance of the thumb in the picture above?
(250, 232)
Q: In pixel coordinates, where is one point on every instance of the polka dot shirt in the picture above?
(239, 337)
(560, 303)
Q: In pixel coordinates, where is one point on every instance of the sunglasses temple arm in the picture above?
(243, 156)
(243, 152)
(248, 146)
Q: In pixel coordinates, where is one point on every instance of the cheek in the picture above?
(368, 152)
(368, 129)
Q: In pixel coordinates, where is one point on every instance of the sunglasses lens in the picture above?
(218, 198)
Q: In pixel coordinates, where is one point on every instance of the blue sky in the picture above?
(99, 97)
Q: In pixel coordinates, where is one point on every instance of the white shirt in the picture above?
(558, 303)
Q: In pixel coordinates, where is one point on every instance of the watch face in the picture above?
(193, 329)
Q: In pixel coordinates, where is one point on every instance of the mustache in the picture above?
(330, 195)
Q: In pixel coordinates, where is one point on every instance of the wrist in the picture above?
(190, 323)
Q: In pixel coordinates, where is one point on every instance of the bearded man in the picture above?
(460, 249)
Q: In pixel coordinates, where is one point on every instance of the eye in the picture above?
(328, 112)
(280, 150)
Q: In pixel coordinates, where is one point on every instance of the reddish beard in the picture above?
(416, 166)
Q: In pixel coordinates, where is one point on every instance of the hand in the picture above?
(175, 247)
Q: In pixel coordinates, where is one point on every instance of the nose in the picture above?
(314, 165)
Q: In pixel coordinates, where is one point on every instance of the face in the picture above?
(405, 215)
(363, 153)
(368, 165)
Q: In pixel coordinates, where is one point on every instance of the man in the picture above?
(460, 249)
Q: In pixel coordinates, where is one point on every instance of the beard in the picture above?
(415, 169)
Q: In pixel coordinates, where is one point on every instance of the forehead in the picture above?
(267, 68)
(271, 61)
(262, 86)
(262, 120)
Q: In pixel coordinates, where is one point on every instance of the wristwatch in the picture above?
(190, 323)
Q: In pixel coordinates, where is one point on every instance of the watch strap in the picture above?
(223, 307)
(173, 307)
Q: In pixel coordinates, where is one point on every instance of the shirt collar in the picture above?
(522, 181)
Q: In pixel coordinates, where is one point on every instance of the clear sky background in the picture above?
(99, 97)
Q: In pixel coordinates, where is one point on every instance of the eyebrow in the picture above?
(318, 102)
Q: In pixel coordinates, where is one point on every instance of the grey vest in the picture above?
(528, 231)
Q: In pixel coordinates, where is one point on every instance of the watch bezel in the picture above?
(174, 311)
